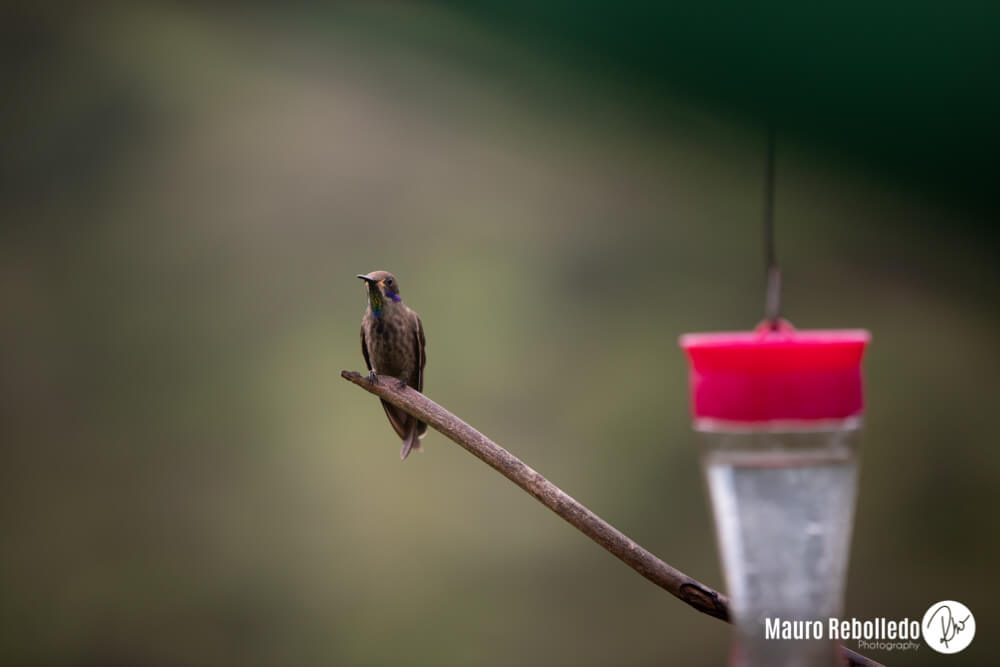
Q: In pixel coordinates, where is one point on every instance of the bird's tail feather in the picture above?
(412, 441)
(406, 427)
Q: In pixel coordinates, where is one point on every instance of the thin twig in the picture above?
(672, 580)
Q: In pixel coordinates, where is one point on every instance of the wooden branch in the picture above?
(672, 580)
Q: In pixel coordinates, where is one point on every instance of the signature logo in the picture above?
(948, 626)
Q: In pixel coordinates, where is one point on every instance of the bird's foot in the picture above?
(400, 384)
(372, 377)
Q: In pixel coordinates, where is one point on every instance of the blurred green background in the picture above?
(188, 192)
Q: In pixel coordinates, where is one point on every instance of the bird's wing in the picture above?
(421, 345)
(421, 353)
(364, 348)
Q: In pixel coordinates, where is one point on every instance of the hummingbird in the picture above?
(392, 342)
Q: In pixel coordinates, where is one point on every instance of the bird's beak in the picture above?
(367, 279)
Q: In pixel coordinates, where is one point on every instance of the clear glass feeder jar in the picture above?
(778, 414)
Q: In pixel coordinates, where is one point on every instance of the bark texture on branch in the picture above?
(675, 582)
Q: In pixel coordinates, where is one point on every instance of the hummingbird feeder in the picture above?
(778, 412)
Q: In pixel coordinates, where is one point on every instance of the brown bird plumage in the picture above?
(392, 342)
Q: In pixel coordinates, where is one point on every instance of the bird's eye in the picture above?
(388, 281)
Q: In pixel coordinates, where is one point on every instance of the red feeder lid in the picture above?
(776, 374)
